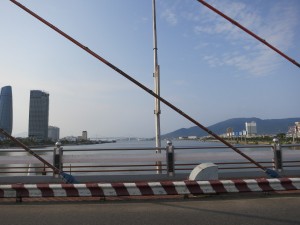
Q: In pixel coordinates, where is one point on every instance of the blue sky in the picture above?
(209, 68)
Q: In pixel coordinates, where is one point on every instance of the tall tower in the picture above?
(38, 115)
(6, 109)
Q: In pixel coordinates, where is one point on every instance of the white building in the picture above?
(53, 133)
(251, 128)
(297, 129)
(70, 138)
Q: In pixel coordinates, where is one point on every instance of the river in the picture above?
(184, 149)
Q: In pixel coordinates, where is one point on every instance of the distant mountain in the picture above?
(270, 126)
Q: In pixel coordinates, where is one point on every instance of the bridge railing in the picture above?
(140, 161)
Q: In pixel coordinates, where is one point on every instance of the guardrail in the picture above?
(172, 162)
(186, 188)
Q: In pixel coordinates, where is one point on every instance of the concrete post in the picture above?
(57, 157)
(277, 155)
(170, 159)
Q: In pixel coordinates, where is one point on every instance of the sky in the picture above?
(210, 69)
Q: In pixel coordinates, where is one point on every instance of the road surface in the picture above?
(264, 210)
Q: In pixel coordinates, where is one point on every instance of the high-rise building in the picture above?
(6, 109)
(53, 133)
(251, 128)
(84, 135)
(38, 115)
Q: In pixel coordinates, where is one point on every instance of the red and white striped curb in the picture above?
(148, 188)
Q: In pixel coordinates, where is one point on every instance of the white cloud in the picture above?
(276, 25)
(170, 16)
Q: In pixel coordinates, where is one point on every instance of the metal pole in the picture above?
(57, 158)
(277, 155)
(156, 83)
(170, 159)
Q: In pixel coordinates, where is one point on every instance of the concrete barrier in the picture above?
(148, 188)
(205, 171)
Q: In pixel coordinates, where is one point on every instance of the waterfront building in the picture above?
(229, 132)
(53, 133)
(70, 139)
(297, 129)
(84, 135)
(251, 128)
(192, 137)
(38, 115)
(6, 109)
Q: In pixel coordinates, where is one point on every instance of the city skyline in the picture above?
(209, 69)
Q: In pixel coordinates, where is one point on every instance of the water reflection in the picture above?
(14, 169)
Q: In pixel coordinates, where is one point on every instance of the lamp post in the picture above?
(156, 83)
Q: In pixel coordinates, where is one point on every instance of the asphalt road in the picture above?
(201, 211)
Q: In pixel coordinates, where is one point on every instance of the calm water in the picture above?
(142, 144)
(134, 144)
